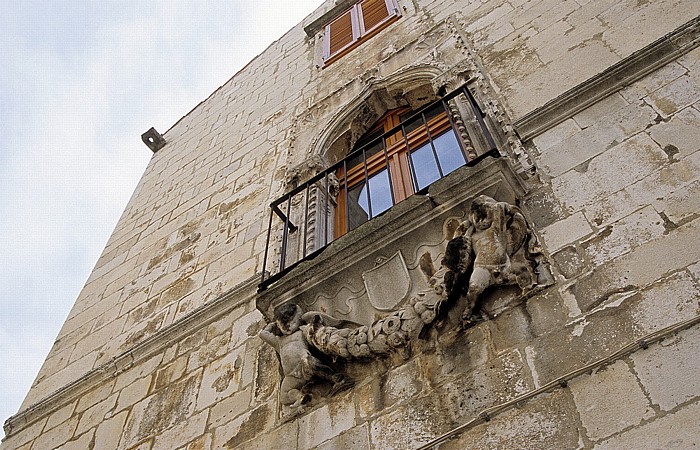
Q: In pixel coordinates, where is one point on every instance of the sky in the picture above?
(80, 81)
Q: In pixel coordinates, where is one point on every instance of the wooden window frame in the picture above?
(359, 33)
(400, 171)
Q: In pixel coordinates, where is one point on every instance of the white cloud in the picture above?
(79, 83)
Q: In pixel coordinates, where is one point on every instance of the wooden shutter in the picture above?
(374, 12)
(340, 33)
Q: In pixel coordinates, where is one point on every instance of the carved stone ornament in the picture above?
(493, 246)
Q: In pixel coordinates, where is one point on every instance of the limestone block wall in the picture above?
(160, 349)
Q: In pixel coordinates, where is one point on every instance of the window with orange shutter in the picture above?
(355, 25)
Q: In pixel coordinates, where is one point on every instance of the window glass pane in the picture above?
(448, 151)
(418, 122)
(380, 196)
(425, 165)
(380, 193)
(375, 148)
(357, 206)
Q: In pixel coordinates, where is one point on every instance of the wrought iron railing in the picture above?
(309, 214)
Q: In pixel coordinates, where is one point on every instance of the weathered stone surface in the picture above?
(181, 432)
(96, 414)
(548, 421)
(326, 422)
(640, 268)
(415, 423)
(624, 235)
(499, 380)
(666, 302)
(162, 410)
(109, 432)
(609, 172)
(221, 379)
(667, 370)
(543, 208)
(402, 383)
(566, 231)
(244, 428)
(673, 431)
(570, 261)
(610, 401)
(355, 438)
(56, 436)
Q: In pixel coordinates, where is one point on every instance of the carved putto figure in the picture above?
(494, 246)
(287, 336)
(293, 334)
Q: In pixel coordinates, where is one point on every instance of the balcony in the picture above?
(386, 167)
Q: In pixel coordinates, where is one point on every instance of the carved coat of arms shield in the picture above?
(388, 283)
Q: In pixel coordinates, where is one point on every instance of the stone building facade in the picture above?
(580, 119)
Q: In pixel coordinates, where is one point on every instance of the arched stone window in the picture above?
(389, 145)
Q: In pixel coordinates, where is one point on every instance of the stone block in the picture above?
(402, 383)
(542, 208)
(160, 411)
(681, 134)
(612, 170)
(284, 436)
(566, 231)
(221, 378)
(267, 372)
(143, 369)
(600, 110)
(556, 134)
(458, 353)
(110, 431)
(170, 373)
(182, 432)
(649, 262)
(133, 393)
(547, 421)
(624, 235)
(546, 311)
(411, 425)
(609, 401)
(60, 416)
(562, 351)
(594, 140)
(639, 24)
(510, 329)
(682, 204)
(229, 408)
(327, 421)
(55, 437)
(682, 92)
(80, 443)
(208, 352)
(570, 261)
(96, 414)
(354, 439)
(246, 327)
(498, 381)
(245, 428)
(679, 430)
(669, 301)
(668, 371)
